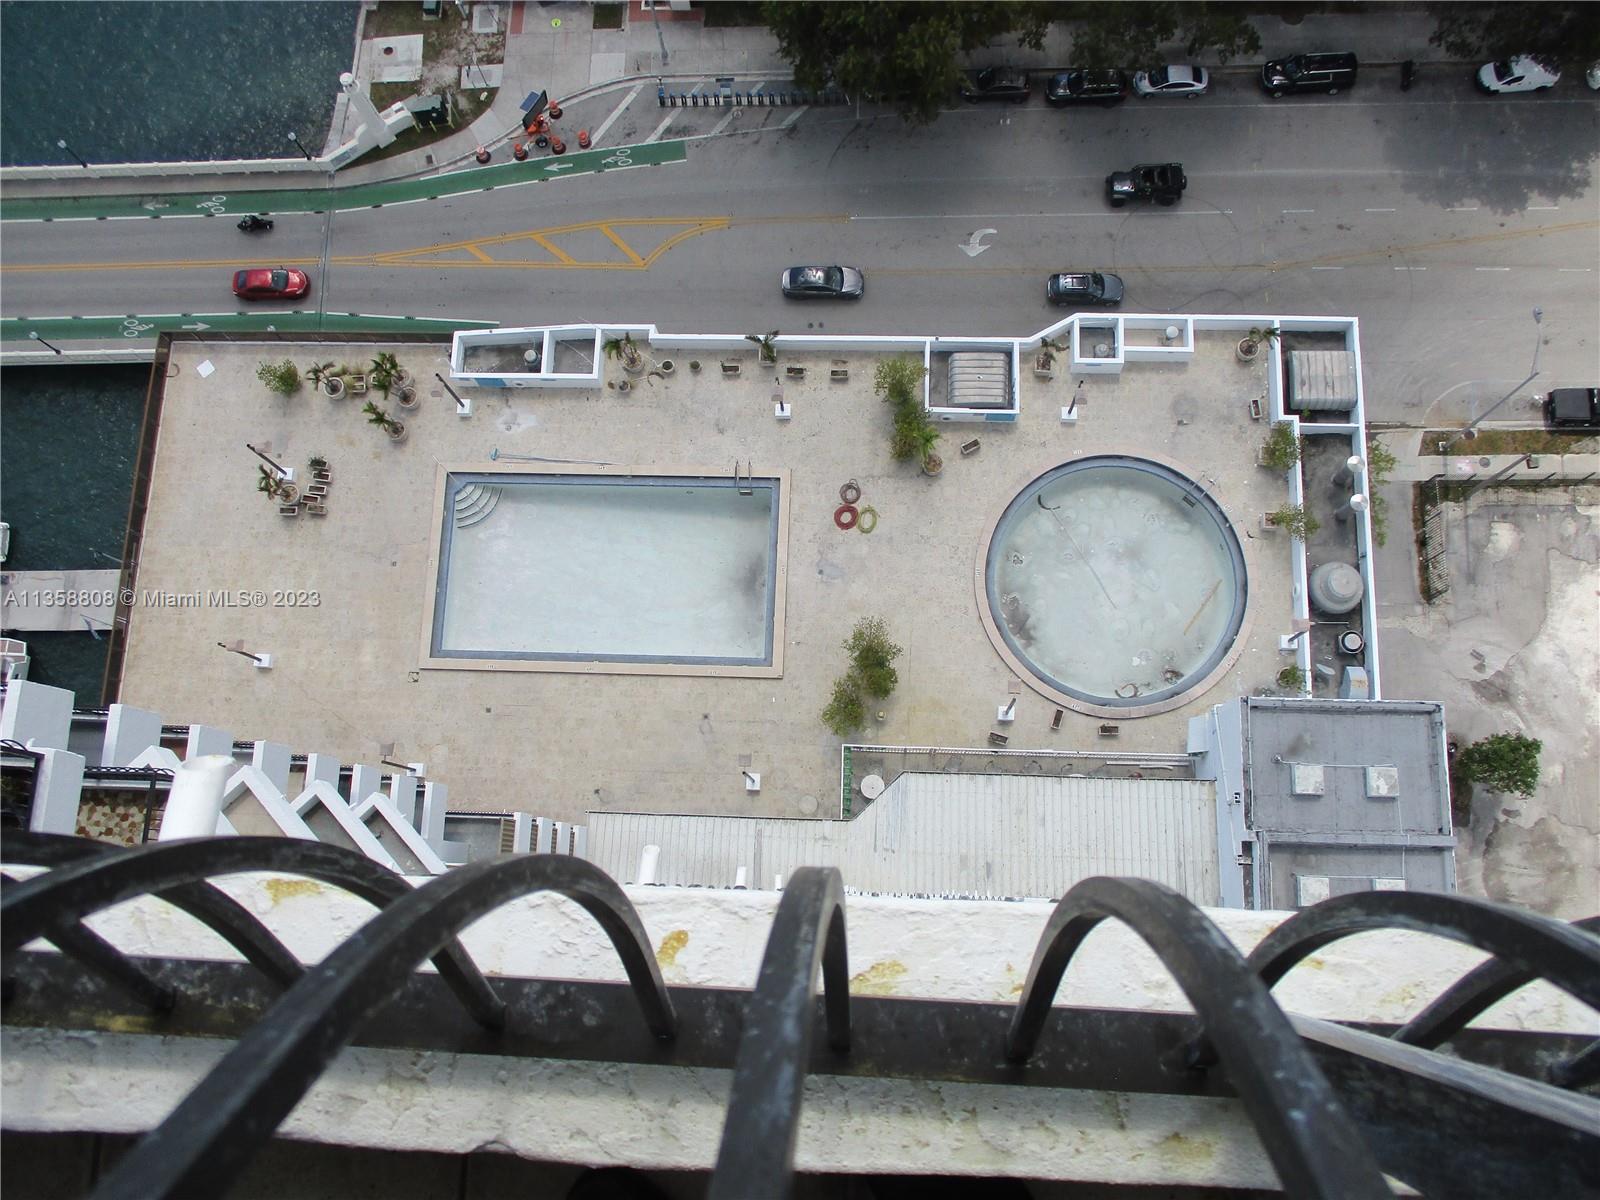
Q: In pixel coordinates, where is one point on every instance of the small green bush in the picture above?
(1502, 762)
(846, 711)
(1281, 450)
(1292, 678)
(1292, 517)
(281, 377)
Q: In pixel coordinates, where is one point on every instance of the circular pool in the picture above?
(1116, 582)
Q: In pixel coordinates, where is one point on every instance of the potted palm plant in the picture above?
(627, 350)
(1044, 362)
(395, 429)
(323, 375)
(275, 488)
(768, 350)
(1250, 345)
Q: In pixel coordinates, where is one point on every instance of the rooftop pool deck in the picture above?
(342, 601)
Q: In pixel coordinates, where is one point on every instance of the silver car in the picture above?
(823, 283)
(1174, 79)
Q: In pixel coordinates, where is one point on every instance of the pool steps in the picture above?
(474, 502)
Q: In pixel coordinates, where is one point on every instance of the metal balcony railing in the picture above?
(1336, 1106)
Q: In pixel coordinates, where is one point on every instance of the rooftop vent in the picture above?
(1305, 779)
(1383, 783)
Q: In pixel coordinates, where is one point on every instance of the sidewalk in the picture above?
(572, 60)
(1414, 466)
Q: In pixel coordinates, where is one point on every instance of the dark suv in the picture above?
(1161, 182)
(1331, 73)
(1086, 87)
(1084, 287)
(1572, 408)
(996, 83)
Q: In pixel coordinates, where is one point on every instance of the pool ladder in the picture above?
(747, 480)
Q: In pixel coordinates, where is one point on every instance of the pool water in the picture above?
(597, 569)
(1116, 581)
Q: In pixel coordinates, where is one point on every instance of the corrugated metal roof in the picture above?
(955, 835)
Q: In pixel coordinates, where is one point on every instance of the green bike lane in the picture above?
(219, 202)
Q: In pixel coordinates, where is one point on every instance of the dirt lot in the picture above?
(1512, 647)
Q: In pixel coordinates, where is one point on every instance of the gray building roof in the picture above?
(947, 835)
(1345, 795)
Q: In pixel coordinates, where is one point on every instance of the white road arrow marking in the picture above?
(974, 245)
(559, 167)
(199, 325)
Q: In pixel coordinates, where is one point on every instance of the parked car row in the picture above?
(1328, 72)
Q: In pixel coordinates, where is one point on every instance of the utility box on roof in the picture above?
(979, 379)
(1322, 380)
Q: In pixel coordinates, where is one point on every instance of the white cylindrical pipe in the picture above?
(648, 858)
(1353, 466)
(1355, 504)
(195, 801)
(739, 878)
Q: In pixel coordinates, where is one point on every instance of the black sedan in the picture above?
(1086, 87)
(823, 283)
(1084, 288)
(996, 83)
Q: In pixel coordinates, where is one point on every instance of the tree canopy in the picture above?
(1502, 762)
(1132, 35)
(1557, 34)
(902, 53)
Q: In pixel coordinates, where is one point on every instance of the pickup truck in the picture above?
(1161, 182)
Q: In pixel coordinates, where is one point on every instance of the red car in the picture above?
(271, 283)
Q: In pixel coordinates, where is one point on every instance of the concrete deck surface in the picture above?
(347, 675)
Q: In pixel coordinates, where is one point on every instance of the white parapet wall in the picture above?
(671, 1118)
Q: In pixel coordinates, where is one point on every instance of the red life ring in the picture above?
(846, 516)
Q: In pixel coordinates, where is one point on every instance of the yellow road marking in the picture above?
(477, 253)
(622, 245)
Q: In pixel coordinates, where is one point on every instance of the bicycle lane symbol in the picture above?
(619, 159)
(216, 205)
(131, 327)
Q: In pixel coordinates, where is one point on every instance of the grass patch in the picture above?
(608, 16)
(1509, 441)
(467, 109)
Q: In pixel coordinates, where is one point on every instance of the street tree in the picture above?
(1502, 762)
(906, 54)
(1133, 34)
(1559, 34)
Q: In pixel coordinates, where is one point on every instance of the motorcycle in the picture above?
(254, 224)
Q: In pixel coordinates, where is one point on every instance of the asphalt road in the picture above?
(1441, 221)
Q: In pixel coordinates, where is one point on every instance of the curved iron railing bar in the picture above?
(206, 903)
(1470, 996)
(78, 889)
(207, 1140)
(1312, 1142)
(1539, 946)
(1582, 1069)
(87, 948)
(756, 1157)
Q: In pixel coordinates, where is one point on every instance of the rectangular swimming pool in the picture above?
(544, 567)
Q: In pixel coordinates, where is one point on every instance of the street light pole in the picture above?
(62, 143)
(1471, 430)
(296, 140)
(33, 336)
